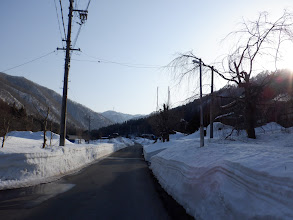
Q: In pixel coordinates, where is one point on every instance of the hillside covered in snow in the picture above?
(118, 117)
(36, 99)
(230, 177)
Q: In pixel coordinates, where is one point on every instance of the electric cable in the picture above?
(80, 26)
(62, 18)
(132, 65)
(88, 5)
(58, 20)
(28, 62)
(77, 34)
(121, 64)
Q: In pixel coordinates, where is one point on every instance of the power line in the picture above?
(88, 5)
(58, 20)
(78, 32)
(28, 62)
(131, 65)
(121, 64)
(76, 4)
(62, 19)
(80, 25)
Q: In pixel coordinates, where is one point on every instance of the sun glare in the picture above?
(284, 62)
(287, 63)
(286, 59)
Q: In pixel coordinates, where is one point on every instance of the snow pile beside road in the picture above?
(117, 140)
(23, 161)
(143, 141)
(237, 178)
(150, 149)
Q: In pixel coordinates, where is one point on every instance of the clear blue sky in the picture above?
(130, 31)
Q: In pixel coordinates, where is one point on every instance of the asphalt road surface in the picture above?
(120, 186)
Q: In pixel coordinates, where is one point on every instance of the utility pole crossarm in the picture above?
(58, 48)
(84, 11)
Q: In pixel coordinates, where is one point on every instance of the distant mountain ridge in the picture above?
(22, 92)
(118, 117)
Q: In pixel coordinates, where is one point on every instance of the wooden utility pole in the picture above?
(66, 72)
(89, 128)
(89, 123)
(157, 98)
(201, 107)
(168, 97)
(212, 106)
(83, 17)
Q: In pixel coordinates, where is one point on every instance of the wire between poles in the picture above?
(79, 29)
(28, 62)
(88, 5)
(75, 40)
(132, 65)
(62, 19)
(58, 20)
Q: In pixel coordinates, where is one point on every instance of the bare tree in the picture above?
(260, 39)
(257, 40)
(161, 123)
(10, 118)
(6, 129)
(51, 132)
(45, 122)
(42, 118)
(164, 122)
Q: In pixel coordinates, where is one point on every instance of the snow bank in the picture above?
(144, 141)
(117, 140)
(150, 149)
(237, 178)
(23, 161)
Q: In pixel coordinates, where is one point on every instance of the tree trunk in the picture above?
(250, 109)
(51, 137)
(45, 127)
(3, 140)
(250, 125)
(6, 130)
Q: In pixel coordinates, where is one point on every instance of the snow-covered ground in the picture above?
(143, 141)
(233, 178)
(23, 161)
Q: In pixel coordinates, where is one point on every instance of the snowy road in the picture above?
(118, 187)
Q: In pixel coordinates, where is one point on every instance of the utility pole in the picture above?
(199, 62)
(212, 106)
(89, 128)
(89, 123)
(66, 71)
(168, 97)
(157, 98)
(201, 107)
